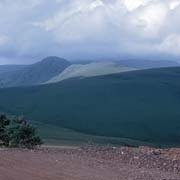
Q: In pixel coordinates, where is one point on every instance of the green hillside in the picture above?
(55, 135)
(140, 105)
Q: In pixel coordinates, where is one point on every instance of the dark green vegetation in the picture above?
(16, 132)
(141, 105)
(55, 135)
(13, 76)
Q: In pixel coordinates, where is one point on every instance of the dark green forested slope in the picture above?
(142, 105)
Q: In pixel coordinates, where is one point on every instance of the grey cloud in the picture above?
(87, 29)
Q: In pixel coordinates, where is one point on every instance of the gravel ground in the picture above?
(90, 163)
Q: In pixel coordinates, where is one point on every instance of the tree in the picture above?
(4, 123)
(17, 132)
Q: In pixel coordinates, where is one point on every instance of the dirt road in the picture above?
(89, 164)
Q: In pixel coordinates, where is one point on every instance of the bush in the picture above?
(17, 132)
(4, 123)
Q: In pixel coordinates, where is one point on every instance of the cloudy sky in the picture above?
(89, 29)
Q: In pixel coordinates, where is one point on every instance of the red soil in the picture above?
(92, 163)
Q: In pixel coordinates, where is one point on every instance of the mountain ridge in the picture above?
(90, 70)
(35, 73)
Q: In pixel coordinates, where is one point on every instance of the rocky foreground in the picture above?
(90, 163)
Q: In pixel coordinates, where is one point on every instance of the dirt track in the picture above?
(89, 164)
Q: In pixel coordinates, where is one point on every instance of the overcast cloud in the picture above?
(89, 29)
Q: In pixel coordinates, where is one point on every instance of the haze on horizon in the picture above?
(89, 29)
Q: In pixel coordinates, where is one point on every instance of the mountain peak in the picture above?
(33, 74)
(51, 59)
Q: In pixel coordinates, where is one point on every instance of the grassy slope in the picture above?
(89, 70)
(141, 105)
(55, 135)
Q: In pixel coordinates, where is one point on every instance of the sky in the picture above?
(89, 29)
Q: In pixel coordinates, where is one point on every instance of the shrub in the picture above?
(4, 123)
(17, 132)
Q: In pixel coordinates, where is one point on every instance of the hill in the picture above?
(147, 64)
(140, 105)
(34, 74)
(89, 70)
(10, 68)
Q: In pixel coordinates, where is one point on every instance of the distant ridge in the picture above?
(10, 68)
(54, 69)
(148, 64)
(90, 70)
(35, 73)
